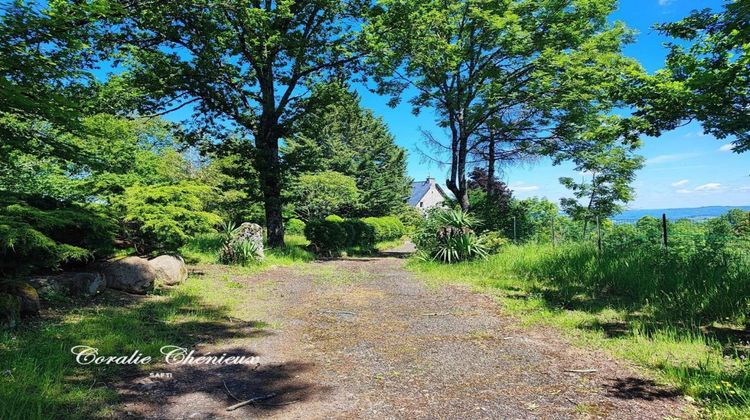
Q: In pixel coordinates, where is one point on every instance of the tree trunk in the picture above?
(491, 164)
(269, 169)
(457, 182)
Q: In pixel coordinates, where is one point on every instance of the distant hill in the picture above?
(695, 213)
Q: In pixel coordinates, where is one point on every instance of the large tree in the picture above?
(345, 137)
(244, 66)
(707, 75)
(553, 65)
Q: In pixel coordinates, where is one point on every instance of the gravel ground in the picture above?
(362, 338)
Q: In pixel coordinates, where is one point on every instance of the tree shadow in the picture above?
(632, 388)
(208, 390)
(119, 324)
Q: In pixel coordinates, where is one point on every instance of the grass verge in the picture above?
(39, 378)
(707, 362)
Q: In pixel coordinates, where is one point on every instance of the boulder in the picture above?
(250, 232)
(10, 310)
(27, 296)
(69, 284)
(130, 274)
(170, 269)
(29, 299)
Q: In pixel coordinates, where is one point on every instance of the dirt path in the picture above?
(362, 338)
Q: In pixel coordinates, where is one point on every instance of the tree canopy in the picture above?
(544, 68)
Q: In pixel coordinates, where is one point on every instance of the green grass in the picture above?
(204, 249)
(40, 379)
(629, 307)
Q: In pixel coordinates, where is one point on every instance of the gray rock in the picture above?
(250, 232)
(10, 310)
(131, 274)
(28, 297)
(170, 269)
(70, 284)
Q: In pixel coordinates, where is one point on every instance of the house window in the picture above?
(420, 204)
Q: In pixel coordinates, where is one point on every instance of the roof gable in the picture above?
(421, 188)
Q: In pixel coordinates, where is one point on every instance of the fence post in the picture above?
(598, 235)
(515, 237)
(664, 230)
(553, 231)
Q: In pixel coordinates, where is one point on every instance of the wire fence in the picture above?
(663, 231)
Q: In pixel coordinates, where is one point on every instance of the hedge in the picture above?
(335, 233)
(332, 235)
(386, 228)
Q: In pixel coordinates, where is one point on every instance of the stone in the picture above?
(27, 297)
(250, 232)
(10, 310)
(170, 270)
(83, 284)
(130, 274)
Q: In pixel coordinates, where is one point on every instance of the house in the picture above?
(426, 194)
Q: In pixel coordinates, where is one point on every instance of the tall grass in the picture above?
(678, 313)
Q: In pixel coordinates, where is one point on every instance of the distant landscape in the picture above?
(692, 213)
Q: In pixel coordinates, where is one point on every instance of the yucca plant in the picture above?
(446, 236)
(245, 252)
(465, 246)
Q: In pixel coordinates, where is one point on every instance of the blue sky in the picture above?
(684, 167)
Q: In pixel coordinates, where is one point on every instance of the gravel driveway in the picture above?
(363, 338)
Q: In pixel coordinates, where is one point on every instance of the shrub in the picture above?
(386, 228)
(165, 217)
(295, 227)
(410, 217)
(446, 235)
(315, 195)
(326, 236)
(42, 233)
(494, 242)
(335, 234)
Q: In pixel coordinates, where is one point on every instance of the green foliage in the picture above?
(493, 208)
(336, 134)
(42, 233)
(559, 63)
(295, 227)
(270, 51)
(317, 195)
(612, 169)
(410, 217)
(164, 217)
(334, 234)
(447, 236)
(386, 228)
(707, 75)
(494, 242)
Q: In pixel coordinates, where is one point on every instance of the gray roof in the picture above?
(420, 188)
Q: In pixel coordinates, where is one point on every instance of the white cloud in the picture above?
(726, 148)
(680, 183)
(696, 134)
(711, 186)
(671, 158)
(522, 187)
(664, 2)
